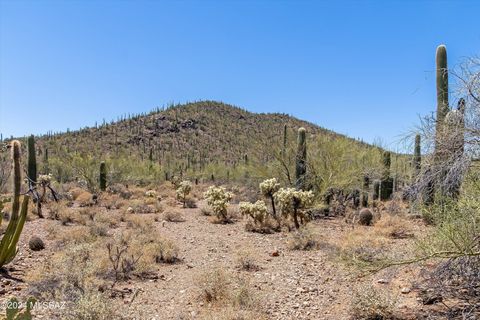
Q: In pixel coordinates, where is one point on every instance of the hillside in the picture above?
(202, 140)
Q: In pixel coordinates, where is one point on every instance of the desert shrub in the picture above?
(165, 251)
(213, 285)
(246, 261)
(456, 228)
(98, 230)
(173, 216)
(454, 280)
(303, 239)
(218, 199)
(140, 223)
(107, 218)
(292, 202)
(363, 249)
(369, 303)
(393, 226)
(183, 190)
(91, 305)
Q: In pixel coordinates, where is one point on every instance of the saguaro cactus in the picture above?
(366, 186)
(8, 244)
(103, 176)
(386, 183)
(284, 147)
(442, 84)
(32, 159)
(417, 156)
(301, 160)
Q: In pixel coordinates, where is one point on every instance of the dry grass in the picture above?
(213, 285)
(173, 216)
(228, 297)
(246, 261)
(369, 303)
(303, 239)
(361, 247)
(393, 226)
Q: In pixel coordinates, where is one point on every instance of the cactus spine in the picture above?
(8, 244)
(32, 159)
(103, 176)
(301, 160)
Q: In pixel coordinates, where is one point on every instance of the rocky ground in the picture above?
(286, 284)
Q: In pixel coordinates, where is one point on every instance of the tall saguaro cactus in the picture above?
(8, 244)
(417, 156)
(442, 83)
(32, 159)
(103, 176)
(386, 183)
(301, 160)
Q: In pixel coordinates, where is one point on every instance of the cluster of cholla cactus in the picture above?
(291, 202)
(8, 244)
(218, 199)
(183, 190)
(257, 211)
(268, 188)
(151, 193)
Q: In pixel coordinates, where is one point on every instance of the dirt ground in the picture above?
(290, 284)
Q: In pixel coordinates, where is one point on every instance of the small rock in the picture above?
(405, 290)
(275, 253)
(382, 281)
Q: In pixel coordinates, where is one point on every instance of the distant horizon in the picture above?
(67, 65)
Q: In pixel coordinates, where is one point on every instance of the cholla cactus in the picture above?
(292, 200)
(151, 193)
(268, 189)
(183, 190)
(257, 211)
(218, 198)
(175, 180)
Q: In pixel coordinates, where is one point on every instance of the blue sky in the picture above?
(364, 68)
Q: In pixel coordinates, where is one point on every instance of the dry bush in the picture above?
(140, 223)
(147, 205)
(71, 276)
(232, 298)
(303, 239)
(92, 305)
(173, 216)
(162, 250)
(246, 261)
(205, 211)
(72, 235)
(393, 227)
(213, 285)
(98, 230)
(76, 192)
(108, 218)
(268, 226)
(362, 248)
(369, 303)
(112, 201)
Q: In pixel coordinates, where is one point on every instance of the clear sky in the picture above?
(364, 68)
